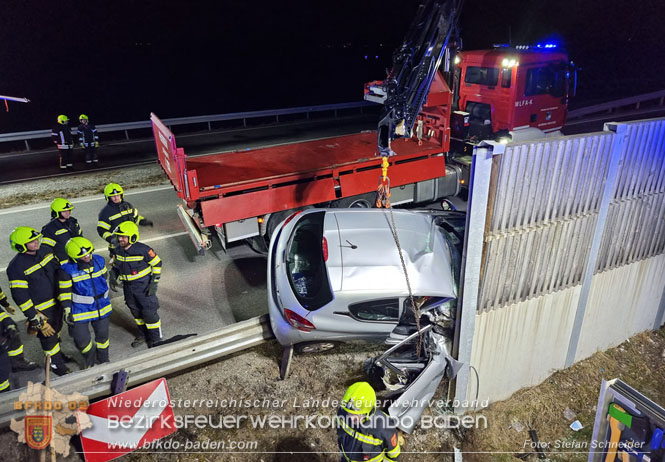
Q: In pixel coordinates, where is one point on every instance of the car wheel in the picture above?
(314, 347)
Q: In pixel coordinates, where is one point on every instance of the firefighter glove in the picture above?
(40, 323)
(96, 144)
(69, 318)
(9, 308)
(152, 288)
(146, 222)
(113, 279)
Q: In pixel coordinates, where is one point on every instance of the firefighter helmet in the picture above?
(359, 398)
(78, 247)
(60, 205)
(113, 189)
(63, 119)
(129, 229)
(21, 236)
(83, 117)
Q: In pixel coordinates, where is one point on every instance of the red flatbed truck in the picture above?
(246, 194)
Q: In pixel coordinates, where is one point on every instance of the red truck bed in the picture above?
(237, 185)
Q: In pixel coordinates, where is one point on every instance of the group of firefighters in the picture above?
(61, 135)
(56, 279)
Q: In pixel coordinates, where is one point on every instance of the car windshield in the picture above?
(451, 226)
(306, 267)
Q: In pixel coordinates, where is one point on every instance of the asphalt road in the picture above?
(19, 166)
(197, 294)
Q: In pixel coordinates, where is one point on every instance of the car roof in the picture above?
(363, 255)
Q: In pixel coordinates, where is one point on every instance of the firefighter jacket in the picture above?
(84, 289)
(87, 135)
(112, 215)
(62, 136)
(56, 234)
(373, 439)
(138, 263)
(32, 281)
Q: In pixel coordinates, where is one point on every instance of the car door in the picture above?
(370, 319)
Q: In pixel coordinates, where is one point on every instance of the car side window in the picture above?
(376, 310)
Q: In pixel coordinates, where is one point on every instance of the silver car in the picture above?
(336, 274)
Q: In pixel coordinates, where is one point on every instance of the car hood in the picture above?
(367, 256)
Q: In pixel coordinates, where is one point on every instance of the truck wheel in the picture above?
(258, 244)
(314, 347)
(362, 201)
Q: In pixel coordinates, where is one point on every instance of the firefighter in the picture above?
(363, 432)
(62, 227)
(62, 137)
(139, 269)
(88, 138)
(32, 278)
(117, 210)
(14, 345)
(84, 294)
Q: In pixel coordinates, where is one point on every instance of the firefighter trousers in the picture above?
(99, 348)
(90, 154)
(66, 158)
(144, 309)
(15, 349)
(5, 369)
(51, 345)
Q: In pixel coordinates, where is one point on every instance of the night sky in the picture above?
(118, 60)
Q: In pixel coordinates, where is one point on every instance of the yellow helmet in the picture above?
(359, 398)
(112, 189)
(83, 117)
(60, 205)
(21, 236)
(63, 119)
(78, 247)
(129, 229)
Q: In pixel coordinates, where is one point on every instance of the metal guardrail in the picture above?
(611, 106)
(244, 116)
(151, 364)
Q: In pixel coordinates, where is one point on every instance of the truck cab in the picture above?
(506, 89)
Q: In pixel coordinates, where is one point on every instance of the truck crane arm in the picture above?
(415, 63)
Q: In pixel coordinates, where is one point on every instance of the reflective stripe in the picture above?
(156, 325)
(4, 385)
(139, 322)
(65, 284)
(106, 234)
(3, 315)
(373, 459)
(91, 314)
(61, 231)
(129, 258)
(133, 277)
(102, 345)
(154, 261)
(54, 350)
(26, 306)
(87, 348)
(103, 224)
(124, 212)
(48, 241)
(16, 352)
(39, 265)
(18, 284)
(76, 298)
(156, 270)
(67, 296)
(394, 453)
(46, 304)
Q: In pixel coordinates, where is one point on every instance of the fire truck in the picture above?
(438, 101)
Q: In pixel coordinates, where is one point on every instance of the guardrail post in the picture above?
(277, 118)
(127, 134)
(335, 113)
(244, 122)
(27, 146)
(209, 127)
